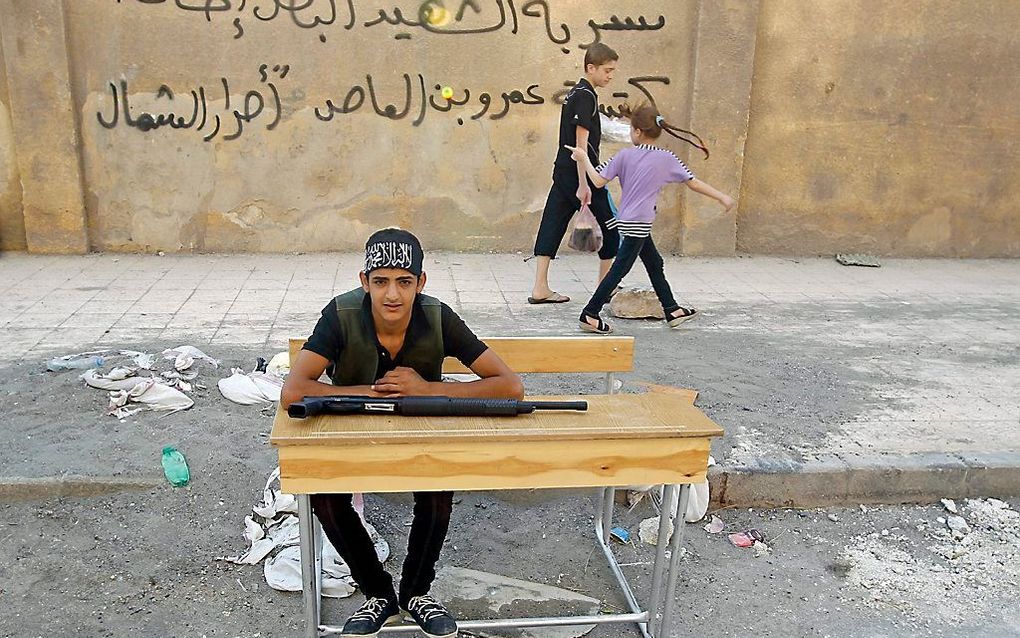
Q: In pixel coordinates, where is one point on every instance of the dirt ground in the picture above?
(142, 563)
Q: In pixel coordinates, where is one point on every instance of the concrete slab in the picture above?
(483, 595)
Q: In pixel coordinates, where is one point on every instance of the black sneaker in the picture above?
(434, 620)
(368, 620)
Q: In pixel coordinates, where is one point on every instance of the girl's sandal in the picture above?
(687, 313)
(602, 328)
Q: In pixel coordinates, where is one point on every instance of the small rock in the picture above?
(941, 520)
(958, 524)
(949, 504)
(760, 549)
(636, 303)
(833, 518)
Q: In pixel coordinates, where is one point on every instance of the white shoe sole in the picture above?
(675, 322)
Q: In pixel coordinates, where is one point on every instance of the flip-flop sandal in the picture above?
(688, 313)
(602, 329)
(553, 298)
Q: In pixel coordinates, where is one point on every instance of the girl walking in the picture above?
(643, 170)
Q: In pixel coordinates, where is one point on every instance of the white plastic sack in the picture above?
(251, 388)
(279, 364)
(697, 504)
(615, 129)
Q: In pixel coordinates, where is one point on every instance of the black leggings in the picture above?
(630, 250)
(343, 528)
(561, 205)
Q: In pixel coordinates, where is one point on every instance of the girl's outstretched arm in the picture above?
(581, 157)
(707, 190)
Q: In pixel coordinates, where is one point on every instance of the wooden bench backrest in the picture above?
(546, 354)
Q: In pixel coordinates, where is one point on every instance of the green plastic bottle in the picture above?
(175, 468)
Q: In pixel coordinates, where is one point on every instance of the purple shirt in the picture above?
(643, 171)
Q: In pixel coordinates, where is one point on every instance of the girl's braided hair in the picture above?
(646, 118)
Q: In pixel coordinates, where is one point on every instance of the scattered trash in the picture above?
(949, 504)
(747, 539)
(82, 361)
(620, 534)
(858, 259)
(188, 352)
(272, 530)
(260, 364)
(145, 392)
(833, 518)
(760, 549)
(715, 526)
(648, 530)
(142, 360)
(251, 388)
(175, 467)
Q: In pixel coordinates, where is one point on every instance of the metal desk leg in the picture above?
(674, 561)
(309, 563)
(608, 503)
(317, 543)
(659, 567)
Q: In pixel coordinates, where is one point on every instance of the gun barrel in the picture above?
(559, 405)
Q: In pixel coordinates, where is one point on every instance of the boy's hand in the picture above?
(402, 382)
(584, 194)
(578, 155)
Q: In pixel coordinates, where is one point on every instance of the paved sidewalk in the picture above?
(799, 359)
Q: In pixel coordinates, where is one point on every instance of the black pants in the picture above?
(561, 205)
(630, 250)
(343, 528)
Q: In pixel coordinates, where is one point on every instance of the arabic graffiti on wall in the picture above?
(217, 111)
(432, 16)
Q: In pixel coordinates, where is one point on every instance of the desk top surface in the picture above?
(615, 416)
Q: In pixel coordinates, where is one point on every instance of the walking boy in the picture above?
(386, 339)
(571, 188)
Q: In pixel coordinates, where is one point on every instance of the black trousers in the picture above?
(343, 528)
(630, 250)
(560, 206)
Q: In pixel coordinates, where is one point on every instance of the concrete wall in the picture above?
(300, 183)
(12, 221)
(884, 127)
(843, 125)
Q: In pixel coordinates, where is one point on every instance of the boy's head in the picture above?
(393, 272)
(600, 64)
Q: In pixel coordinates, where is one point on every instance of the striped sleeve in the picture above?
(609, 169)
(678, 171)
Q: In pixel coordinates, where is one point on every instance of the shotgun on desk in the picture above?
(424, 406)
